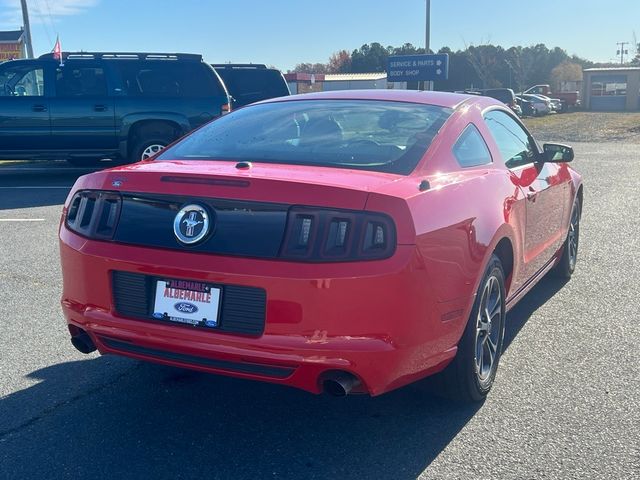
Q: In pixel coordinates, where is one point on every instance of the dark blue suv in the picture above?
(91, 106)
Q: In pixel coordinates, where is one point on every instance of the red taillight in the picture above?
(322, 235)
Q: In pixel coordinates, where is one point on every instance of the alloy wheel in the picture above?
(574, 231)
(151, 150)
(488, 327)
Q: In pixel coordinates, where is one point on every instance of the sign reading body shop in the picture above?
(411, 68)
(10, 51)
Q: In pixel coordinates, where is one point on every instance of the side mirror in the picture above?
(557, 153)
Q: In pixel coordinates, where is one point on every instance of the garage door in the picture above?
(608, 92)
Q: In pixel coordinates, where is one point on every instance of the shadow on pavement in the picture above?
(150, 421)
(28, 184)
(538, 296)
(160, 422)
(35, 189)
(12, 200)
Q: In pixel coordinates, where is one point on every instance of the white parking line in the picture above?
(21, 219)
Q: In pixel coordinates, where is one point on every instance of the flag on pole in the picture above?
(57, 50)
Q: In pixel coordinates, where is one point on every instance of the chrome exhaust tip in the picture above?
(339, 384)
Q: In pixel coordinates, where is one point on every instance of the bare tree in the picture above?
(484, 61)
(565, 72)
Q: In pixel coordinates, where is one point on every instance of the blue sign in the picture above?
(411, 68)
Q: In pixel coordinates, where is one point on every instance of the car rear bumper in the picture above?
(376, 320)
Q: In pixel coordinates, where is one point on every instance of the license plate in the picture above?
(183, 301)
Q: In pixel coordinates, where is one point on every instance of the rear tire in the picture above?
(469, 377)
(145, 148)
(567, 264)
(147, 138)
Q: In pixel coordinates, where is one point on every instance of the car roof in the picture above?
(440, 99)
(125, 56)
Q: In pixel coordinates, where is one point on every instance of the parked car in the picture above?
(249, 83)
(541, 105)
(554, 103)
(568, 99)
(505, 95)
(527, 108)
(104, 105)
(396, 229)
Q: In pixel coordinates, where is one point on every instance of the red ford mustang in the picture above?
(339, 242)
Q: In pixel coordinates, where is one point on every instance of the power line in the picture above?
(53, 27)
(38, 12)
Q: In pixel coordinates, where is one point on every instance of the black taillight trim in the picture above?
(94, 213)
(321, 248)
(372, 250)
(293, 231)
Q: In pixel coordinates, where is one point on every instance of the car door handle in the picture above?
(100, 108)
(39, 108)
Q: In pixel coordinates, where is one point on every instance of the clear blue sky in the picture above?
(286, 32)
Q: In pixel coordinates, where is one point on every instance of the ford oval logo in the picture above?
(185, 307)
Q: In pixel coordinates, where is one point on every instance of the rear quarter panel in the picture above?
(459, 219)
(458, 222)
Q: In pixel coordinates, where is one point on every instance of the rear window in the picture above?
(249, 85)
(360, 134)
(158, 78)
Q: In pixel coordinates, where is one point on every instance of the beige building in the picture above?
(611, 89)
(355, 81)
(324, 82)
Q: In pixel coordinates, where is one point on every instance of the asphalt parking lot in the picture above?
(565, 404)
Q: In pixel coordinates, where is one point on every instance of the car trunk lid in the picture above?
(290, 184)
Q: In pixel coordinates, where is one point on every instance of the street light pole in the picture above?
(427, 34)
(428, 28)
(27, 28)
(428, 25)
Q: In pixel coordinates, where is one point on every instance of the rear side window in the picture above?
(513, 141)
(470, 149)
(167, 79)
(80, 81)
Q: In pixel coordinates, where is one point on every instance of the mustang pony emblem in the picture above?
(191, 224)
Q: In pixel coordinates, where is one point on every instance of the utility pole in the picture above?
(27, 28)
(622, 51)
(427, 34)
